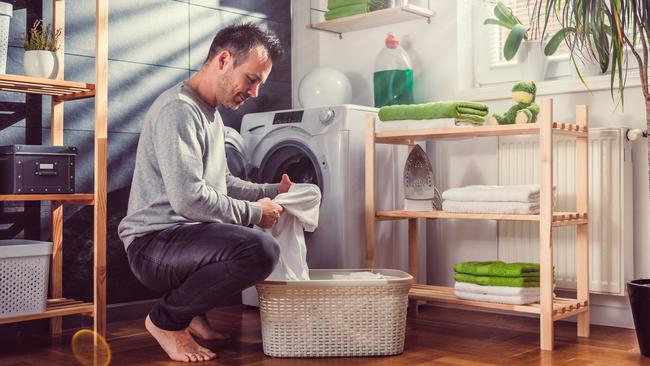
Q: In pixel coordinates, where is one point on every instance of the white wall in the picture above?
(433, 51)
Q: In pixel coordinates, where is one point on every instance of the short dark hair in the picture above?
(241, 38)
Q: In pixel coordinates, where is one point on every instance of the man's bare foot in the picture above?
(202, 329)
(179, 345)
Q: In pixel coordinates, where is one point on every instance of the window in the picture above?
(489, 63)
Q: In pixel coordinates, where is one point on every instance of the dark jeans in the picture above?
(196, 266)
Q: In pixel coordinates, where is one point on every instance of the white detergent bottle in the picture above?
(393, 76)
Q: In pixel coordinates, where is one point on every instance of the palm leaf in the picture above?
(497, 22)
(505, 15)
(517, 34)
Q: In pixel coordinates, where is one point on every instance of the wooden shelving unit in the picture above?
(549, 308)
(62, 91)
(373, 19)
(86, 199)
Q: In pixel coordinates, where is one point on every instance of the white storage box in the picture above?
(327, 317)
(24, 274)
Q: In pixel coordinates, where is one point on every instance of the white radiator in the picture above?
(610, 207)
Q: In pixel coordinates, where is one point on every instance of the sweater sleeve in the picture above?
(241, 189)
(178, 138)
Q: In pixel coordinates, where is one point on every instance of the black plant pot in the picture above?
(639, 292)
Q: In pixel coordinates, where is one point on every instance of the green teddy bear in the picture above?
(525, 111)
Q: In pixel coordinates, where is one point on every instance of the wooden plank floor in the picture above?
(440, 336)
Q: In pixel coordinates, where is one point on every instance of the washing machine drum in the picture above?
(235, 158)
(292, 158)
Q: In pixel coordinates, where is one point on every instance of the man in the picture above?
(187, 230)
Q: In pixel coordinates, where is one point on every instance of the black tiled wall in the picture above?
(153, 44)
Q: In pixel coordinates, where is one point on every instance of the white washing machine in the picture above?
(325, 146)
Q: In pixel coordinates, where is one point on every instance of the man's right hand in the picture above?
(271, 212)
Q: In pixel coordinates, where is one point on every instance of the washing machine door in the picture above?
(293, 158)
(238, 163)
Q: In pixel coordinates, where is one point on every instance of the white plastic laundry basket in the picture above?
(6, 12)
(24, 272)
(325, 317)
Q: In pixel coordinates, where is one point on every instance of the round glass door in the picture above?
(236, 162)
(294, 159)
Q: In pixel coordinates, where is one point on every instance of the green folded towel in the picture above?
(349, 10)
(497, 281)
(374, 4)
(473, 111)
(498, 268)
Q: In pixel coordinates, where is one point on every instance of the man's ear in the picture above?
(223, 58)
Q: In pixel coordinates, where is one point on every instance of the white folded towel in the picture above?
(496, 290)
(506, 208)
(483, 193)
(500, 299)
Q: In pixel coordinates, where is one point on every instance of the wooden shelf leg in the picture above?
(582, 231)
(545, 228)
(371, 231)
(101, 154)
(56, 272)
(413, 261)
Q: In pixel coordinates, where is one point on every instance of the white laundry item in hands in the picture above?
(301, 208)
(486, 193)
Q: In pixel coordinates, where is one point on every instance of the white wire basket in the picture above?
(327, 317)
(24, 272)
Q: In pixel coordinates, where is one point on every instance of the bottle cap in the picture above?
(392, 41)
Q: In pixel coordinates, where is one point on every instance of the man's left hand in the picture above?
(285, 184)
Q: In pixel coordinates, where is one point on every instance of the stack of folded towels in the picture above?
(496, 281)
(515, 199)
(473, 112)
(345, 8)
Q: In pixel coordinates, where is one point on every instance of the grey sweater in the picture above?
(181, 175)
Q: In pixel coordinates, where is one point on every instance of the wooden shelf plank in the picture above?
(402, 136)
(410, 136)
(75, 198)
(373, 19)
(559, 218)
(55, 308)
(562, 307)
(446, 295)
(57, 88)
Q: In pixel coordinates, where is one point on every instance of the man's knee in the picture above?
(267, 253)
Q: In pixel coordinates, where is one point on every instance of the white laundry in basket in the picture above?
(301, 207)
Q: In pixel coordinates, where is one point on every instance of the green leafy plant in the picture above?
(626, 26)
(42, 37)
(584, 41)
(504, 17)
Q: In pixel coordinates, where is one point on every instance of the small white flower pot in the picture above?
(41, 64)
(532, 60)
(586, 66)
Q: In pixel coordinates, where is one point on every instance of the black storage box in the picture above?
(29, 169)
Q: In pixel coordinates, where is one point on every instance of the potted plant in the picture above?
(41, 44)
(587, 61)
(524, 41)
(628, 33)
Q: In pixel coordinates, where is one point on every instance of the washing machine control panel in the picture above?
(326, 116)
(281, 118)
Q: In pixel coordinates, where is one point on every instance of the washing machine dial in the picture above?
(326, 116)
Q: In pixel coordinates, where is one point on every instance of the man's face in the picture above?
(243, 81)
